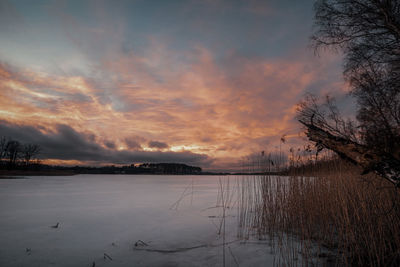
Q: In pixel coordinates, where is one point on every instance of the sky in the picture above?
(205, 83)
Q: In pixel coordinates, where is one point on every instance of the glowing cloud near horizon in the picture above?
(187, 101)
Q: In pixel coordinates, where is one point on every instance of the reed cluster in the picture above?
(326, 214)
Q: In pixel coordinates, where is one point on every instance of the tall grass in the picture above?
(322, 210)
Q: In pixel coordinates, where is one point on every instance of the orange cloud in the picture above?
(189, 102)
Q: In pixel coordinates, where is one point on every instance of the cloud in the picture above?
(110, 144)
(132, 144)
(159, 145)
(65, 144)
(202, 105)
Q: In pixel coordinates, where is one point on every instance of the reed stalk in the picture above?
(324, 213)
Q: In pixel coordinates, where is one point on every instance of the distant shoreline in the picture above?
(141, 169)
(13, 174)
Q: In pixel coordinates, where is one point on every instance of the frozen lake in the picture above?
(175, 217)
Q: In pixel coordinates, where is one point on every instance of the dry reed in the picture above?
(323, 214)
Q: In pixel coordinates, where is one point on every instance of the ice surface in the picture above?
(100, 214)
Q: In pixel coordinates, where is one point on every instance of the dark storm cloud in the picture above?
(67, 144)
(157, 144)
(110, 144)
(133, 144)
(64, 143)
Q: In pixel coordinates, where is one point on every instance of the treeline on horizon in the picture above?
(144, 168)
(18, 156)
(15, 156)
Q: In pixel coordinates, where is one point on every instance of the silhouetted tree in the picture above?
(368, 32)
(3, 147)
(29, 151)
(13, 150)
(14, 153)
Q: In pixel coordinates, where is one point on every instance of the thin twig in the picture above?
(233, 256)
(184, 249)
(106, 256)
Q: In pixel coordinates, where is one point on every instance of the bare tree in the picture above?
(14, 153)
(29, 151)
(368, 32)
(13, 150)
(3, 146)
(324, 113)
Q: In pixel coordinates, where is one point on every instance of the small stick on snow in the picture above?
(233, 256)
(140, 243)
(185, 249)
(55, 226)
(106, 256)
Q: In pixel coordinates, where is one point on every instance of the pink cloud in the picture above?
(197, 104)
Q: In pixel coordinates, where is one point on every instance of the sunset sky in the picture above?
(202, 82)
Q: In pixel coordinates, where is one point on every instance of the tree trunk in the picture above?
(384, 164)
